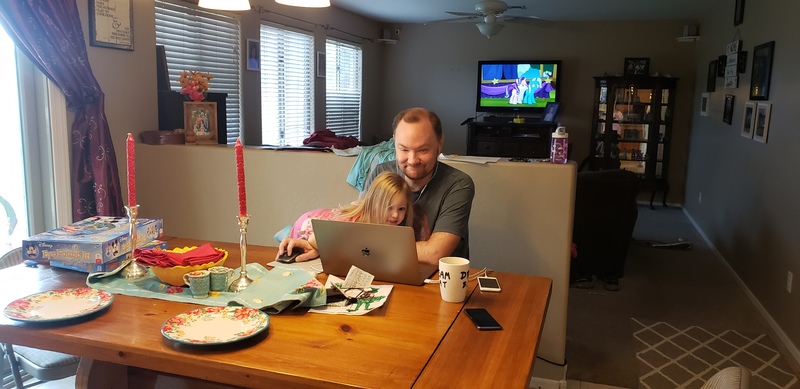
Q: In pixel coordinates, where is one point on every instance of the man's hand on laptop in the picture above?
(288, 244)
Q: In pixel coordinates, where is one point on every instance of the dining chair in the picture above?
(43, 365)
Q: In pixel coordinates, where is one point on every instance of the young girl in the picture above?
(387, 201)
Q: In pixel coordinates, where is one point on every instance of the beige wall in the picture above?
(750, 209)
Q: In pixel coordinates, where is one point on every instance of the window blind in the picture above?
(197, 39)
(287, 85)
(343, 88)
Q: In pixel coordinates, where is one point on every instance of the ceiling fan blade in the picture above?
(454, 20)
(464, 14)
(529, 20)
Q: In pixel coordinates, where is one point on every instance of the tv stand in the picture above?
(504, 139)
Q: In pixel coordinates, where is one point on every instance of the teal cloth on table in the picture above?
(272, 290)
(368, 158)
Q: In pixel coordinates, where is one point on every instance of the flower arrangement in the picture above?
(194, 84)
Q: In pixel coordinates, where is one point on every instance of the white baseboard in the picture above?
(544, 383)
(772, 323)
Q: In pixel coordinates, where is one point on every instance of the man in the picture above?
(443, 193)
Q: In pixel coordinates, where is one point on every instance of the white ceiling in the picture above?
(421, 11)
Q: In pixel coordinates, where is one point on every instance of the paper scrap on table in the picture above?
(467, 158)
(357, 278)
(312, 266)
(373, 299)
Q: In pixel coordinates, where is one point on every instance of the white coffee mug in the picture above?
(453, 277)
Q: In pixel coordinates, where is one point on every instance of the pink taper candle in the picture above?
(131, 171)
(240, 178)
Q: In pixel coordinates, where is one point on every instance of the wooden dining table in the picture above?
(414, 340)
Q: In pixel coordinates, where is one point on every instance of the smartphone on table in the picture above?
(482, 319)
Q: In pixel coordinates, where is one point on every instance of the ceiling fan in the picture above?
(492, 11)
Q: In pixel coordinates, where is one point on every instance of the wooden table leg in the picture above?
(100, 374)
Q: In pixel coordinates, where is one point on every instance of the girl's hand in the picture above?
(288, 244)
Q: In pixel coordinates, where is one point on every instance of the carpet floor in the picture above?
(686, 357)
(681, 287)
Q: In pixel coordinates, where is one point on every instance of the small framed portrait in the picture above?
(727, 114)
(637, 66)
(253, 55)
(761, 123)
(550, 112)
(704, 104)
(200, 122)
(748, 119)
(761, 71)
(321, 65)
(711, 82)
(738, 13)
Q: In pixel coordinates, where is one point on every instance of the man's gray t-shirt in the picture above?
(446, 200)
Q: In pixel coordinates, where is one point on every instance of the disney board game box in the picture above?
(89, 267)
(97, 239)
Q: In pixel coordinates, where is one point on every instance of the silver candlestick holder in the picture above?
(133, 269)
(243, 281)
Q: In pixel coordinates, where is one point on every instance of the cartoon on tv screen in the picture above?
(517, 85)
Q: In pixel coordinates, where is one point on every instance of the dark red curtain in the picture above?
(49, 33)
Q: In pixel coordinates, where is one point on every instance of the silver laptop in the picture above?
(385, 251)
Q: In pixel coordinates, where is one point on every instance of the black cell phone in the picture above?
(482, 319)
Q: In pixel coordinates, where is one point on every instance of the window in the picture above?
(205, 41)
(343, 88)
(287, 85)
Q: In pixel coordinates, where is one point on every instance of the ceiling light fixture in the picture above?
(489, 29)
(305, 3)
(226, 5)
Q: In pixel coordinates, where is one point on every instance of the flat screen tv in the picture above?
(517, 86)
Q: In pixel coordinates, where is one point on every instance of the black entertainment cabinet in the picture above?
(498, 139)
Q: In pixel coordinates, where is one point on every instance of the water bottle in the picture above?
(559, 145)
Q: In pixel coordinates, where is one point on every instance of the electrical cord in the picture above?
(479, 273)
(679, 245)
(553, 363)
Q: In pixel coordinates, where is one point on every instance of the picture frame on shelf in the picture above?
(637, 66)
(253, 55)
(550, 112)
(761, 122)
(761, 71)
(200, 122)
(748, 119)
(111, 24)
(738, 13)
(711, 83)
(727, 113)
(704, 104)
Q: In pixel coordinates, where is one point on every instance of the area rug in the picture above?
(686, 357)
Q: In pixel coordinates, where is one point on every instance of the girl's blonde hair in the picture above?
(373, 208)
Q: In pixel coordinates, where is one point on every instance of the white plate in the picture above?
(215, 325)
(60, 304)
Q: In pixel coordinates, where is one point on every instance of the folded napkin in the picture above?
(202, 254)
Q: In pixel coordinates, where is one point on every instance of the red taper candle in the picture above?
(240, 178)
(131, 170)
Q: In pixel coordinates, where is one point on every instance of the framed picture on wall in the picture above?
(738, 13)
(253, 55)
(704, 104)
(761, 71)
(727, 114)
(711, 82)
(761, 124)
(748, 120)
(111, 24)
(637, 66)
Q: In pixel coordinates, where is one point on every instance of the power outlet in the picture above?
(700, 198)
(789, 277)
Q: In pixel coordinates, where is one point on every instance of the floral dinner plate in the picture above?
(215, 325)
(59, 304)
